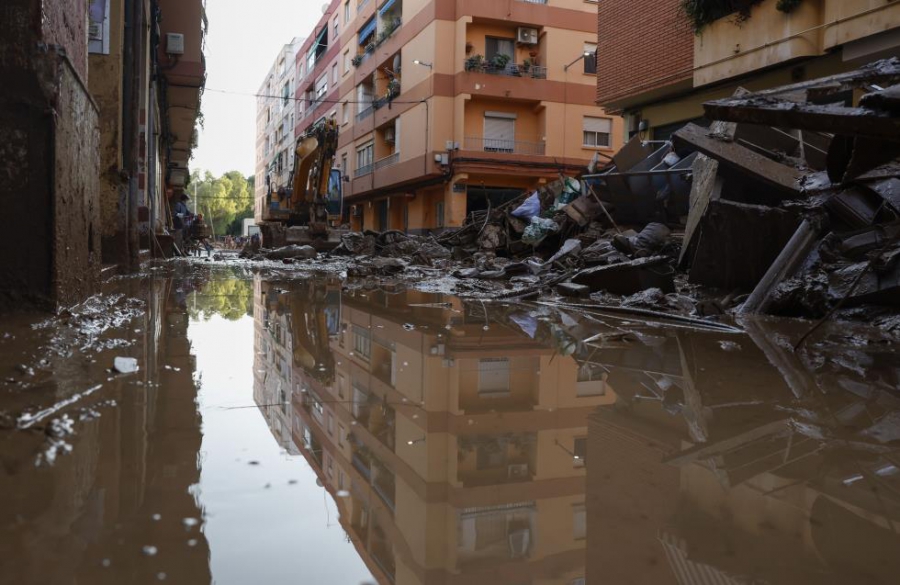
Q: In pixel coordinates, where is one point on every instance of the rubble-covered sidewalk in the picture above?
(788, 204)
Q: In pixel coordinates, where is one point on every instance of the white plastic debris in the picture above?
(125, 365)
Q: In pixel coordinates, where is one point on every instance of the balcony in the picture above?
(365, 170)
(386, 162)
(533, 1)
(365, 113)
(480, 143)
(477, 64)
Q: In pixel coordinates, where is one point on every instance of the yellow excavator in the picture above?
(311, 208)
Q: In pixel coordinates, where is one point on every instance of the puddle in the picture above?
(289, 430)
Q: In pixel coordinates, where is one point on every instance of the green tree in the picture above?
(232, 299)
(222, 200)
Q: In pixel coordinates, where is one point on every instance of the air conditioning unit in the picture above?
(528, 36)
(175, 44)
(390, 135)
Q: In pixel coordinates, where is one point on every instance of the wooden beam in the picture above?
(783, 114)
(740, 158)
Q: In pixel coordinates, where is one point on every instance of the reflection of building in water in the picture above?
(85, 518)
(741, 466)
(454, 443)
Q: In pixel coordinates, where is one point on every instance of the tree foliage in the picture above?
(231, 299)
(223, 199)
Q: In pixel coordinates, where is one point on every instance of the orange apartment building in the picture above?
(453, 444)
(660, 78)
(444, 105)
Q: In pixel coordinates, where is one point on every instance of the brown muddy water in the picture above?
(303, 430)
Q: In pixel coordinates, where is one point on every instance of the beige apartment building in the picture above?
(275, 123)
(447, 106)
(455, 453)
(660, 85)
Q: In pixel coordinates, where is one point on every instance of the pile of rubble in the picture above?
(788, 204)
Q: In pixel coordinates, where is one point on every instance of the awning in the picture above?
(387, 6)
(367, 31)
(321, 39)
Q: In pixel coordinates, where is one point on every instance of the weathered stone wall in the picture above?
(64, 23)
(106, 87)
(76, 142)
(48, 156)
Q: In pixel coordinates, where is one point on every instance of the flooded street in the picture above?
(282, 429)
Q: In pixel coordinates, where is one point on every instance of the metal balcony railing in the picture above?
(387, 161)
(365, 170)
(365, 113)
(534, 1)
(504, 146)
(508, 70)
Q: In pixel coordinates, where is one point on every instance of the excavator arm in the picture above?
(313, 162)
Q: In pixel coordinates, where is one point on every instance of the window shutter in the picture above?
(603, 125)
(499, 133)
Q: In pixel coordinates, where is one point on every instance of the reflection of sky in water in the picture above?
(283, 533)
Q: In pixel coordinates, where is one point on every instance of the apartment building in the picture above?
(446, 107)
(659, 79)
(275, 125)
(453, 443)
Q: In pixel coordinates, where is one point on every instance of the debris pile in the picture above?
(789, 204)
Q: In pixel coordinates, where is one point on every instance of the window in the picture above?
(285, 94)
(590, 62)
(344, 170)
(498, 46)
(364, 158)
(345, 118)
(580, 452)
(337, 27)
(579, 522)
(439, 214)
(499, 132)
(334, 74)
(362, 340)
(347, 62)
(321, 87)
(330, 424)
(311, 59)
(591, 381)
(346, 11)
(596, 132)
(341, 433)
(493, 377)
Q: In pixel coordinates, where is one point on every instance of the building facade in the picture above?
(275, 124)
(659, 79)
(97, 111)
(453, 443)
(445, 106)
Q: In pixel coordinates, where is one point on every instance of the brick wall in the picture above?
(641, 45)
(65, 24)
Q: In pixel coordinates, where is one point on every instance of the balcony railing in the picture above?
(365, 113)
(365, 170)
(504, 146)
(508, 70)
(534, 1)
(387, 161)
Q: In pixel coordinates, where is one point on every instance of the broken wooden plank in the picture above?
(740, 158)
(770, 111)
(784, 266)
(705, 187)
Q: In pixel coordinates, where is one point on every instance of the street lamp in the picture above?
(584, 55)
(423, 64)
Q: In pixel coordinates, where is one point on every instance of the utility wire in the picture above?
(322, 101)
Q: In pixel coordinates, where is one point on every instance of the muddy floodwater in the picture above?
(288, 429)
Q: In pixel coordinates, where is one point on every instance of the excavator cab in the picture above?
(314, 200)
